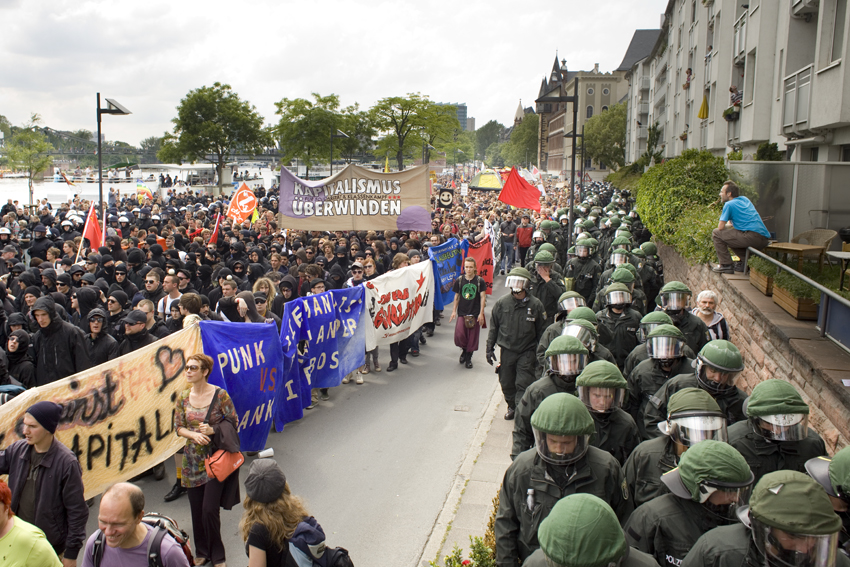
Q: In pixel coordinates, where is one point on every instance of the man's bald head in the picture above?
(129, 494)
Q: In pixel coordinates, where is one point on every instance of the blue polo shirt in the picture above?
(744, 216)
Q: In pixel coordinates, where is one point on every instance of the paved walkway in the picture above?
(470, 502)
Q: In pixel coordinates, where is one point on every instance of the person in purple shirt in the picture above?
(740, 227)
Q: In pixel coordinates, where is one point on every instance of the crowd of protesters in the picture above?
(648, 372)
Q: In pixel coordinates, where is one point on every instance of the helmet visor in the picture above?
(665, 348)
(601, 399)
(619, 259)
(783, 427)
(790, 549)
(516, 283)
(674, 300)
(690, 430)
(619, 298)
(571, 303)
(560, 449)
(714, 380)
(568, 364)
(723, 500)
(582, 251)
(644, 330)
(587, 338)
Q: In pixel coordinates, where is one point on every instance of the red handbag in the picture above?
(221, 463)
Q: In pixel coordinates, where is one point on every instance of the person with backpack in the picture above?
(123, 538)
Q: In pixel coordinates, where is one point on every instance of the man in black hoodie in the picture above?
(101, 346)
(136, 334)
(60, 348)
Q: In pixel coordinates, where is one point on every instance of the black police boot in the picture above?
(509, 415)
(462, 358)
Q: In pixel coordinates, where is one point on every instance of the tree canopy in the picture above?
(605, 137)
(211, 123)
(521, 149)
(26, 149)
(486, 136)
(305, 127)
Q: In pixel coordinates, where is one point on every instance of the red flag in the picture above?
(483, 254)
(214, 235)
(91, 230)
(519, 192)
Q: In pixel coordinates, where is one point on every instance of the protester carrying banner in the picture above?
(468, 307)
(207, 406)
(448, 266)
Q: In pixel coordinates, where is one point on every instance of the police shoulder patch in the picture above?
(625, 488)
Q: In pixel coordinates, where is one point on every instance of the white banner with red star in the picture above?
(398, 303)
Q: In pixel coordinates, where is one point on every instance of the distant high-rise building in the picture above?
(470, 124)
(461, 114)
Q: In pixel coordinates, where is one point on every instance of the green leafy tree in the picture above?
(605, 137)
(305, 127)
(493, 155)
(211, 123)
(461, 150)
(521, 149)
(150, 145)
(441, 128)
(5, 127)
(486, 136)
(27, 151)
(769, 152)
(357, 125)
(408, 123)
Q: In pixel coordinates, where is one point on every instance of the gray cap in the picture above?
(265, 482)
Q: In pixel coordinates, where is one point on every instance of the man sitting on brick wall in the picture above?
(740, 227)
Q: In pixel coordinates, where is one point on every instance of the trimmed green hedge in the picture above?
(679, 204)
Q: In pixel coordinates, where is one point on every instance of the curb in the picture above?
(434, 544)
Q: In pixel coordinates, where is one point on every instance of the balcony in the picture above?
(804, 8)
(644, 83)
(643, 108)
(707, 74)
(641, 133)
(739, 43)
(733, 133)
(795, 110)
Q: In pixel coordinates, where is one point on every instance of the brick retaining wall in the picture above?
(775, 345)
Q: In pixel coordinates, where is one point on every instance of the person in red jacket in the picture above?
(523, 237)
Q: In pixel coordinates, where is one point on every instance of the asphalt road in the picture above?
(376, 462)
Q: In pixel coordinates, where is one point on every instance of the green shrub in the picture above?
(761, 266)
(796, 287)
(769, 152)
(677, 201)
(735, 156)
(624, 178)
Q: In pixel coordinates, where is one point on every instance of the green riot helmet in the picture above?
(714, 474)
(567, 356)
(582, 531)
(833, 474)
(585, 313)
(601, 387)
(571, 252)
(548, 247)
(650, 248)
(538, 237)
(618, 296)
(589, 224)
(614, 222)
(619, 256)
(583, 331)
(717, 365)
(674, 296)
(625, 277)
(562, 429)
(693, 416)
(777, 412)
(639, 257)
(792, 521)
(594, 244)
(518, 280)
(550, 225)
(582, 235)
(570, 300)
(583, 247)
(650, 321)
(665, 342)
(578, 226)
(543, 258)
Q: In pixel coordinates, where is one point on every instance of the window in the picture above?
(604, 108)
(813, 154)
(590, 90)
(845, 152)
(749, 77)
(588, 164)
(838, 30)
(606, 92)
(589, 111)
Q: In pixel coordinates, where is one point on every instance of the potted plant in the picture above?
(732, 113)
(761, 274)
(683, 136)
(796, 297)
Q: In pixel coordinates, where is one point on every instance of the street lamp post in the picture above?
(340, 135)
(112, 107)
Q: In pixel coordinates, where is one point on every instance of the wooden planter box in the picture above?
(801, 309)
(761, 282)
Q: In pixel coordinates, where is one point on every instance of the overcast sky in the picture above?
(55, 55)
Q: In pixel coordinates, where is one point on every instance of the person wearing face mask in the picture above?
(665, 345)
(604, 390)
(562, 463)
(21, 366)
(567, 358)
(100, 345)
(789, 523)
(618, 322)
(674, 298)
(711, 482)
(834, 476)
(776, 434)
(517, 322)
(693, 416)
(715, 369)
(583, 271)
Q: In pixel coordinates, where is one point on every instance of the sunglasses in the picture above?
(110, 300)
(260, 301)
(193, 367)
(309, 252)
(182, 278)
(84, 283)
(356, 271)
(96, 320)
(151, 281)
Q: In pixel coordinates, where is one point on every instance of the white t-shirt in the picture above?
(164, 306)
(172, 555)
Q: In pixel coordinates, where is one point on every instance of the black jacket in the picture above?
(60, 348)
(102, 348)
(135, 342)
(60, 507)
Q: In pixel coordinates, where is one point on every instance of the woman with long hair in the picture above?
(206, 494)
(274, 299)
(271, 514)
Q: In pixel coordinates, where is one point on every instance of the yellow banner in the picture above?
(117, 417)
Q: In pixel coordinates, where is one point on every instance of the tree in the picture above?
(441, 127)
(305, 127)
(5, 127)
(521, 149)
(486, 136)
(653, 154)
(461, 150)
(605, 137)
(27, 148)
(493, 155)
(769, 152)
(357, 125)
(409, 122)
(211, 123)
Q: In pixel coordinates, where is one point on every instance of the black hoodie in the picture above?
(87, 299)
(60, 348)
(101, 348)
(21, 367)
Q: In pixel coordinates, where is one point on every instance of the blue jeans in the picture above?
(508, 254)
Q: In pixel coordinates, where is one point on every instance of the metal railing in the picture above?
(827, 295)
(797, 96)
(739, 44)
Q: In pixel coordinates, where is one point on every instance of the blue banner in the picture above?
(322, 338)
(447, 259)
(248, 363)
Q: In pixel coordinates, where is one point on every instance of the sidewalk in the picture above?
(470, 502)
